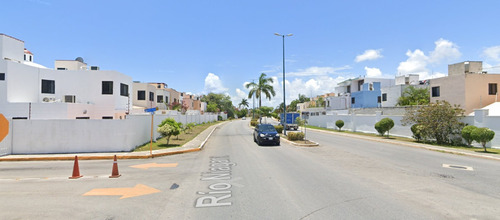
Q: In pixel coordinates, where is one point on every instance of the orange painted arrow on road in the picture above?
(151, 165)
(138, 190)
(4, 127)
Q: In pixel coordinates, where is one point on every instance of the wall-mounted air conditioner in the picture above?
(69, 99)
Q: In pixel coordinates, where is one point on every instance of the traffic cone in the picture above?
(76, 170)
(114, 173)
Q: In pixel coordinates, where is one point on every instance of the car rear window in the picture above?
(267, 128)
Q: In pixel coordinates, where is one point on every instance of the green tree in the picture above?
(483, 136)
(339, 124)
(466, 134)
(414, 96)
(222, 103)
(168, 128)
(262, 86)
(244, 103)
(384, 126)
(320, 102)
(439, 121)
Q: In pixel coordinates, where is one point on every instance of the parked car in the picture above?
(243, 118)
(265, 134)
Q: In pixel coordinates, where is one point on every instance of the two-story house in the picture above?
(466, 85)
(70, 90)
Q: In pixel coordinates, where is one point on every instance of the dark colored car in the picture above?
(266, 134)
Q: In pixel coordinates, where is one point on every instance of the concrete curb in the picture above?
(314, 144)
(415, 145)
(110, 156)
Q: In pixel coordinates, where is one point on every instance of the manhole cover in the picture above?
(459, 167)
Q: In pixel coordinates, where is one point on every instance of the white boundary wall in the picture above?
(366, 123)
(79, 136)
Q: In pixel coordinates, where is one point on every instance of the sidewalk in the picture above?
(194, 145)
(416, 145)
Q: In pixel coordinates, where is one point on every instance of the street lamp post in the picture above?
(283, 120)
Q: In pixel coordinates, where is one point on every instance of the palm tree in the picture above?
(243, 103)
(262, 86)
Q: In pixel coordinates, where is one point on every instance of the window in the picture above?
(82, 117)
(107, 87)
(384, 97)
(2, 76)
(353, 100)
(141, 95)
(435, 91)
(159, 99)
(107, 117)
(166, 99)
(123, 89)
(379, 99)
(69, 99)
(48, 86)
(492, 88)
(151, 96)
(61, 68)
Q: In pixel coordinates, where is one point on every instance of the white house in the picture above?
(31, 91)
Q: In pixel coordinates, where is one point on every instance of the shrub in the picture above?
(466, 133)
(169, 127)
(339, 124)
(483, 136)
(253, 123)
(384, 126)
(295, 136)
(439, 121)
(416, 129)
(279, 128)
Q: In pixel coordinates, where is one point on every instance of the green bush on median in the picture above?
(295, 136)
(279, 128)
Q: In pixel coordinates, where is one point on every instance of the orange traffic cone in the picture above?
(114, 173)
(76, 170)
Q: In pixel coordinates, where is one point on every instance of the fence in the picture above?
(366, 123)
(72, 136)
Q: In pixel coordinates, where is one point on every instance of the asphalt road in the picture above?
(233, 178)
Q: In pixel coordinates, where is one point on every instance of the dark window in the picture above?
(31, 59)
(151, 96)
(2, 76)
(107, 117)
(123, 89)
(159, 86)
(82, 117)
(107, 87)
(384, 97)
(159, 99)
(24, 56)
(435, 92)
(492, 88)
(166, 99)
(348, 89)
(141, 95)
(61, 68)
(353, 100)
(379, 99)
(48, 86)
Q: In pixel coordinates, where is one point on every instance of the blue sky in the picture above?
(219, 45)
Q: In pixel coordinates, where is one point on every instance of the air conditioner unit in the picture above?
(49, 99)
(69, 99)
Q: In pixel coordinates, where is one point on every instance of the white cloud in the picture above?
(369, 55)
(318, 71)
(417, 62)
(445, 50)
(373, 72)
(492, 53)
(214, 84)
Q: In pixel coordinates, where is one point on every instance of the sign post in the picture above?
(152, 111)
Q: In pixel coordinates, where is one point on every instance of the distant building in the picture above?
(391, 94)
(70, 91)
(359, 92)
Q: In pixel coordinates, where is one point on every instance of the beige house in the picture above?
(466, 85)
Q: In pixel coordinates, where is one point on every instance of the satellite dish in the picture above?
(79, 59)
